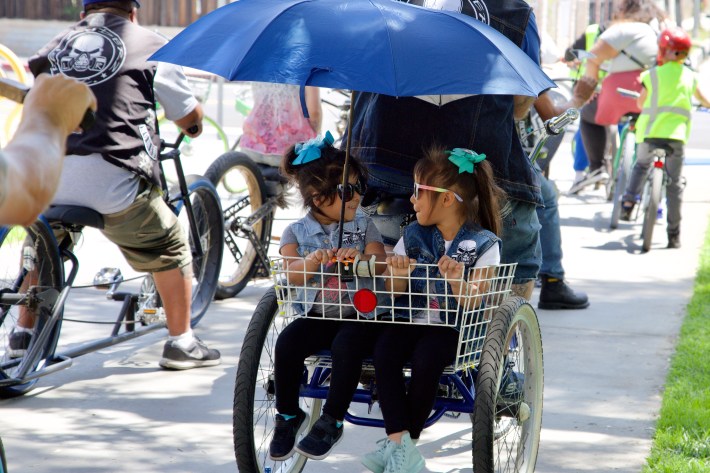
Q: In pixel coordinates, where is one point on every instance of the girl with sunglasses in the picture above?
(309, 246)
(457, 206)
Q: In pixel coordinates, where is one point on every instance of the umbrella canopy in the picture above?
(381, 46)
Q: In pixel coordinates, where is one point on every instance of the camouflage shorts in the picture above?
(148, 234)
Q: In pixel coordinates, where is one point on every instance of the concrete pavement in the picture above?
(605, 366)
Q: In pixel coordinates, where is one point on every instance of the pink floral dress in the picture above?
(276, 121)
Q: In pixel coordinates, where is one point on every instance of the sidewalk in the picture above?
(604, 366)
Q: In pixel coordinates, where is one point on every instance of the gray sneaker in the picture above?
(18, 344)
(196, 356)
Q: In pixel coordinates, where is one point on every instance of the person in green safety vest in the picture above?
(584, 42)
(664, 122)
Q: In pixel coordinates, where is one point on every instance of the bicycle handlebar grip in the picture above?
(556, 125)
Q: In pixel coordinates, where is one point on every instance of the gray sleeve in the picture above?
(173, 92)
(372, 233)
(288, 237)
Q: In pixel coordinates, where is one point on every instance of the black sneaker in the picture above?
(511, 386)
(673, 240)
(286, 432)
(626, 209)
(196, 356)
(324, 435)
(18, 343)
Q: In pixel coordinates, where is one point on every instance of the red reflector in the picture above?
(658, 163)
(365, 300)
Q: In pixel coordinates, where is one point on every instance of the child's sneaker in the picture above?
(324, 435)
(405, 458)
(376, 461)
(286, 432)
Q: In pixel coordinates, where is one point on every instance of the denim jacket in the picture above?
(426, 245)
(311, 236)
(389, 134)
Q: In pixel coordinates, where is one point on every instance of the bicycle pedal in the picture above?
(106, 277)
(151, 315)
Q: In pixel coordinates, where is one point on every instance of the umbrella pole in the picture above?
(346, 170)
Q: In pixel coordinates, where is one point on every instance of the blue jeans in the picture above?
(550, 235)
(580, 156)
(521, 240)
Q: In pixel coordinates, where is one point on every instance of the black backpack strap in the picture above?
(633, 58)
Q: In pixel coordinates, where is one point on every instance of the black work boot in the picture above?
(673, 240)
(555, 294)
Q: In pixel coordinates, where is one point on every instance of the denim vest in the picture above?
(311, 236)
(390, 134)
(426, 245)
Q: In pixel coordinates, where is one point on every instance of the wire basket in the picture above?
(354, 292)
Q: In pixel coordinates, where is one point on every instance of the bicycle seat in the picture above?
(631, 116)
(74, 215)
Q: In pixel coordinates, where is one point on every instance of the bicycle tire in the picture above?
(503, 442)
(18, 68)
(19, 247)
(211, 130)
(210, 227)
(3, 460)
(651, 211)
(253, 409)
(242, 190)
(623, 173)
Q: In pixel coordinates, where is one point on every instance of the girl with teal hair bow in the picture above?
(457, 205)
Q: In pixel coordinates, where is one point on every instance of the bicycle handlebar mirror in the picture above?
(17, 92)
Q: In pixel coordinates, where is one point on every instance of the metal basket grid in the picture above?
(483, 290)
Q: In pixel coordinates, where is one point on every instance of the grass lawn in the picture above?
(682, 440)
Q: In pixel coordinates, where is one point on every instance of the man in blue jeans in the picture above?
(389, 134)
(555, 293)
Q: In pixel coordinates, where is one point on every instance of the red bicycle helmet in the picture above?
(673, 39)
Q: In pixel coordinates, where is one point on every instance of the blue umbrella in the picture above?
(381, 46)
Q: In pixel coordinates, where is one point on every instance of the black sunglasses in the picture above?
(348, 192)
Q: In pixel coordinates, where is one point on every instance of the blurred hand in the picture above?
(400, 265)
(584, 89)
(450, 268)
(62, 100)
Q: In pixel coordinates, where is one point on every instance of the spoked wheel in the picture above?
(622, 175)
(507, 413)
(29, 263)
(242, 190)
(651, 210)
(210, 231)
(254, 408)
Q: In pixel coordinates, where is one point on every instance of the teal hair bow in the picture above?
(465, 159)
(310, 150)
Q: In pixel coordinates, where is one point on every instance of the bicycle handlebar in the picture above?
(556, 125)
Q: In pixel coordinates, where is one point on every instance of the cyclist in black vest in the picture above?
(113, 167)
